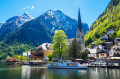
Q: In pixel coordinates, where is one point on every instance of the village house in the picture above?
(106, 46)
(27, 54)
(101, 54)
(115, 53)
(42, 52)
(115, 50)
(92, 53)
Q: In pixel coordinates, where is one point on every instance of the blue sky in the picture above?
(90, 9)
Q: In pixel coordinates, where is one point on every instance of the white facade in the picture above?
(92, 53)
(27, 54)
(115, 50)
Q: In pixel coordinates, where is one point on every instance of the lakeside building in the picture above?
(114, 55)
(102, 54)
(115, 50)
(92, 53)
(42, 52)
(27, 54)
(106, 46)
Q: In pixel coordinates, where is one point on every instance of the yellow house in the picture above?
(46, 53)
(42, 52)
(102, 54)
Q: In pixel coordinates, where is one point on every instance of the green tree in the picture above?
(112, 36)
(50, 57)
(74, 49)
(60, 43)
(118, 34)
(16, 56)
(23, 58)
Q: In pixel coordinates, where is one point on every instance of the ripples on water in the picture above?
(34, 72)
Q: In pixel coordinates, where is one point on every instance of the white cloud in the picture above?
(32, 7)
(27, 8)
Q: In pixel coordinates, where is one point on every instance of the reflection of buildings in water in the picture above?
(93, 73)
(26, 71)
(115, 73)
(96, 73)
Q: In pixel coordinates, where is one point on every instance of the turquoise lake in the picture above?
(36, 72)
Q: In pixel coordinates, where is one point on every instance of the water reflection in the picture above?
(26, 72)
(34, 72)
(66, 73)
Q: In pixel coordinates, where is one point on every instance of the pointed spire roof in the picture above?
(79, 20)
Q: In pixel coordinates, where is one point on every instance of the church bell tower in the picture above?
(80, 33)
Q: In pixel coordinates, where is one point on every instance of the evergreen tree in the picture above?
(74, 49)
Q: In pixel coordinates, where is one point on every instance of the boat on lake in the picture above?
(63, 64)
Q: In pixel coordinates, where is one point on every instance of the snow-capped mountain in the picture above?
(55, 20)
(1, 24)
(19, 20)
(13, 23)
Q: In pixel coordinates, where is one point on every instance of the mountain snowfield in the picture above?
(13, 23)
(56, 20)
(17, 20)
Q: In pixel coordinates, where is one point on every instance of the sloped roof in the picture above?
(92, 51)
(45, 46)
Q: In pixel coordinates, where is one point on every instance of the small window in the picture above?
(113, 48)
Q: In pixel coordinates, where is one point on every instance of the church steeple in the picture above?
(80, 32)
(79, 20)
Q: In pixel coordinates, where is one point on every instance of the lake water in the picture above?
(34, 72)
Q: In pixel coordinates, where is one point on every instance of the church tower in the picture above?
(80, 33)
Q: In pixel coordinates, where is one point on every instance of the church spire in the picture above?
(79, 20)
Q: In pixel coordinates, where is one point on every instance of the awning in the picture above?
(114, 58)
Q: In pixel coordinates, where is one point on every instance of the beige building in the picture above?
(115, 50)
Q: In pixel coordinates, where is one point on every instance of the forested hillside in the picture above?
(109, 19)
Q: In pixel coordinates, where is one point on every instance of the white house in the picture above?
(27, 54)
(115, 50)
(92, 52)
